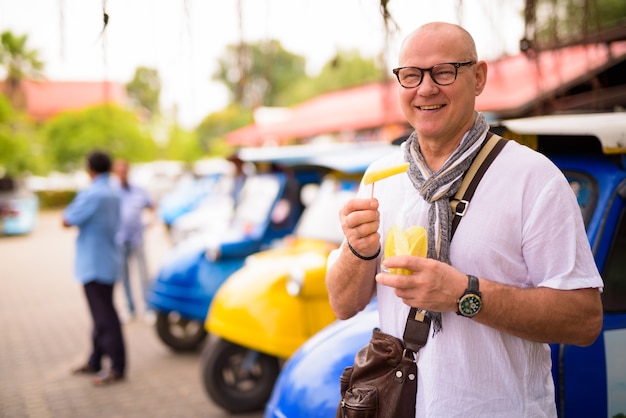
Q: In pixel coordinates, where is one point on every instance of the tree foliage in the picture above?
(183, 145)
(215, 126)
(72, 135)
(284, 81)
(144, 90)
(20, 148)
(346, 69)
(19, 63)
(259, 74)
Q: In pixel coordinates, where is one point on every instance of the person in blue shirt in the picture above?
(134, 201)
(95, 211)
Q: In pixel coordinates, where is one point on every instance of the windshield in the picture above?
(320, 220)
(256, 201)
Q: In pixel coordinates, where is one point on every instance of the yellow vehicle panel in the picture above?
(254, 309)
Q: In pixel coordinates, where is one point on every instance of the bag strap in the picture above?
(417, 323)
(488, 152)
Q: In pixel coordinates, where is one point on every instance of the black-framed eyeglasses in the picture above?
(442, 74)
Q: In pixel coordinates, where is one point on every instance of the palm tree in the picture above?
(19, 63)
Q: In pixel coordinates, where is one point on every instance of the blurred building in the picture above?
(43, 99)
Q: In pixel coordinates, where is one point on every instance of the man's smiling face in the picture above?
(441, 112)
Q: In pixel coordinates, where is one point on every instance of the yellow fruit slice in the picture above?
(375, 175)
(413, 241)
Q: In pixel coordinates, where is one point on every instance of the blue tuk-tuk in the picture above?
(267, 208)
(590, 149)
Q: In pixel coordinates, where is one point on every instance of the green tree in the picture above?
(71, 135)
(20, 149)
(259, 74)
(144, 90)
(183, 146)
(215, 126)
(346, 69)
(19, 63)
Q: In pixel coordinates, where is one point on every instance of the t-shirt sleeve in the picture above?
(555, 238)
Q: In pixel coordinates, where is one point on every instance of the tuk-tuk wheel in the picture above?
(237, 378)
(178, 333)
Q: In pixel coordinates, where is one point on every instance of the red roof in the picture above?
(345, 110)
(514, 85)
(47, 98)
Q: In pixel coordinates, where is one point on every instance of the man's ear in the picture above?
(481, 76)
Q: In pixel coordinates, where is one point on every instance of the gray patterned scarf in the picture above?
(437, 189)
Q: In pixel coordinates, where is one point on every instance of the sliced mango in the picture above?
(376, 175)
(413, 241)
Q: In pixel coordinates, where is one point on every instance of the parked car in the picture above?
(589, 381)
(268, 308)
(19, 208)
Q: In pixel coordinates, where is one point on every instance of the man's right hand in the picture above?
(359, 221)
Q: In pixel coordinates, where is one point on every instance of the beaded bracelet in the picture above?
(362, 257)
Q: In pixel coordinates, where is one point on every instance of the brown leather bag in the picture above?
(381, 383)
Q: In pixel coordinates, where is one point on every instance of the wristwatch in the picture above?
(470, 302)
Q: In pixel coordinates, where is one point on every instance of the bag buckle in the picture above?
(461, 207)
(411, 354)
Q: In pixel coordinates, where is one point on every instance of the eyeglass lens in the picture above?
(442, 74)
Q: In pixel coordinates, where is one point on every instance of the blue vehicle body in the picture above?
(195, 268)
(185, 197)
(187, 279)
(589, 381)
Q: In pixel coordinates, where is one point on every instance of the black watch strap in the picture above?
(472, 284)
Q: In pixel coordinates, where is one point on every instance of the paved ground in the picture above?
(44, 333)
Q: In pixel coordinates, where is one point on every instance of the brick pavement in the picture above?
(44, 333)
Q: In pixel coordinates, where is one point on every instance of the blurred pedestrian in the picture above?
(238, 178)
(95, 211)
(134, 203)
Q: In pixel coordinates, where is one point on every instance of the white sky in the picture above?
(182, 39)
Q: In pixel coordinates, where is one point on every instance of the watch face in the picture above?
(469, 305)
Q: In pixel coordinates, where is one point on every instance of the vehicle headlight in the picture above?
(295, 282)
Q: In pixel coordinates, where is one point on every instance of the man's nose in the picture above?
(427, 86)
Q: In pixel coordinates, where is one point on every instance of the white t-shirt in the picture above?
(523, 227)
